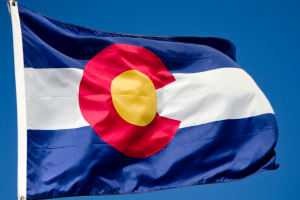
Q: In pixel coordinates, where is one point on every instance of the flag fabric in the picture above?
(110, 113)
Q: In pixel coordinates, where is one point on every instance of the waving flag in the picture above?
(108, 113)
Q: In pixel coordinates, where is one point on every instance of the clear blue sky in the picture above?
(266, 34)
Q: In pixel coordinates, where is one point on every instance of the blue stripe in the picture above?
(48, 43)
(78, 162)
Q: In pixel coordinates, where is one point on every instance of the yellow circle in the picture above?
(134, 97)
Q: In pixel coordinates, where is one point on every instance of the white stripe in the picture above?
(52, 98)
(195, 98)
(21, 106)
(199, 98)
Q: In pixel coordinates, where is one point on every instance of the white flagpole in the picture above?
(21, 101)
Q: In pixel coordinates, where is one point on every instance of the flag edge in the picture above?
(21, 101)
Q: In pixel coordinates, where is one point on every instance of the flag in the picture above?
(108, 113)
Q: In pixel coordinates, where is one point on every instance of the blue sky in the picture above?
(266, 35)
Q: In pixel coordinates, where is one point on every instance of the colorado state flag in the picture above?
(110, 113)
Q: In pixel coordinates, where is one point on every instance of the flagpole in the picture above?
(21, 99)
